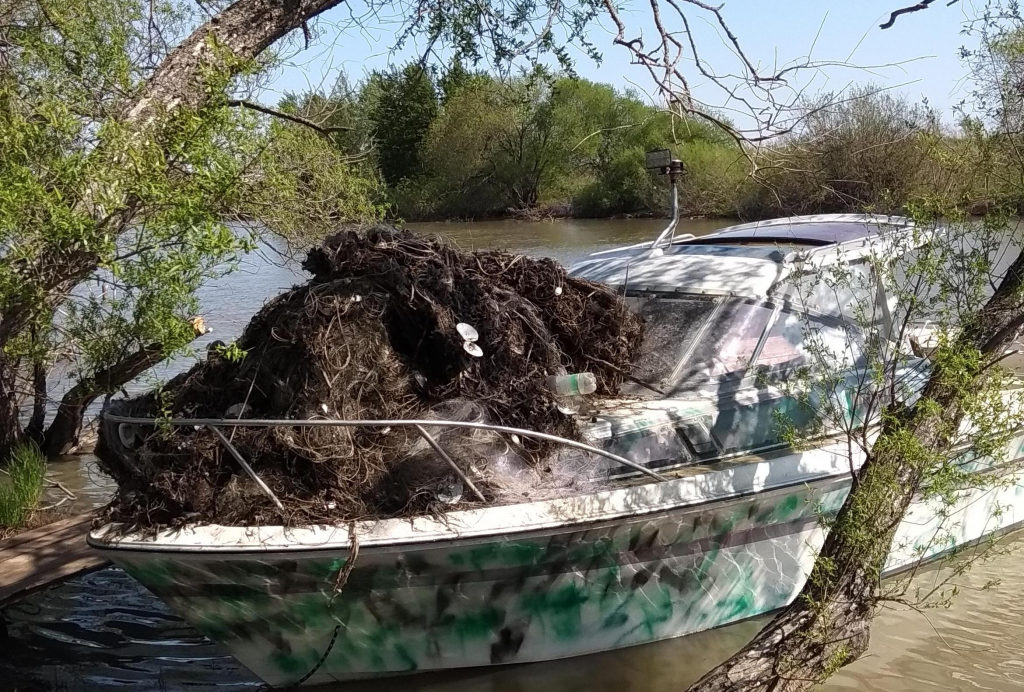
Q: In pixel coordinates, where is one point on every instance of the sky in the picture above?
(918, 57)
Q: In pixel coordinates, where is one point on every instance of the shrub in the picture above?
(21, 485)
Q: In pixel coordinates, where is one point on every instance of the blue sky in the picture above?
(917, 57)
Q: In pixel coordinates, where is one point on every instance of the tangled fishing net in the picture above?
(372, 335)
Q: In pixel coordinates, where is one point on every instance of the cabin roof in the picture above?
(815, 231)
(746, 259)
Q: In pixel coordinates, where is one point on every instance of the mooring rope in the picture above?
(339, 584)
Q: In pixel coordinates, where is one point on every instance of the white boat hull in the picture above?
(530, 582)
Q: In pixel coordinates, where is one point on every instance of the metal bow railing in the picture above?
(214, 425)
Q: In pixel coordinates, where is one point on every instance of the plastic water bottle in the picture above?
(575, 384)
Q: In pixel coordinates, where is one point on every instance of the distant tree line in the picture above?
(466, 144)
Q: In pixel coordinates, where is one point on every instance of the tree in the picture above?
(454, 79)
(866, 151)
(542, 140)
(126, 149)
(491, 148)
(121, 162)
(828, 625)
(401, 104)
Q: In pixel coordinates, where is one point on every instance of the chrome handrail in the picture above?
(327, 422)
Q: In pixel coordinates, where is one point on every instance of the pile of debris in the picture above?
(379, 332)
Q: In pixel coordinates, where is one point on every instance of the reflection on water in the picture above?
(975, 644)
(82, 477)
(103, 631)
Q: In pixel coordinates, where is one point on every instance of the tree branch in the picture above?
(923, 5)
(322, 129)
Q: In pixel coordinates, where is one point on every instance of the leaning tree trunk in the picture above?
(828, 625)
(66, 427)
(225, 43)
(10, 425)
(64, 430)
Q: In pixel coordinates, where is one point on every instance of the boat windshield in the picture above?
(697, 342)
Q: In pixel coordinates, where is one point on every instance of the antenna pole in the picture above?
(673, 168)
(675, 172)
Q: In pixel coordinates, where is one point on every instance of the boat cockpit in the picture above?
(738, 320)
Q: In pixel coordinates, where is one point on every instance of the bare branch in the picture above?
(923, 5)
(306, 122)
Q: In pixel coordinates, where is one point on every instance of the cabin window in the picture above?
(671, 327)
(797, 341)
(728, 344)
(846, 292)
(692, 340)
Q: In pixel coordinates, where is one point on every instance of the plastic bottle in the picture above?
(575, 384)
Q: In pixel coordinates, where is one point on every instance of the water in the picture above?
(103, 631)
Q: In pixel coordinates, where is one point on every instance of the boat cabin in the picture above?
(732, 318)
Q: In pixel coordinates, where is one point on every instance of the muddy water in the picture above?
(104, 631)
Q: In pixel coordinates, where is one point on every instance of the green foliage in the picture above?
(66, 157)
(69, 160)
(931, 444)
(232, 352)
(498, 146)
(304, 187)
(402, 104)
(471, 144)
(22, 480)
(866, 151)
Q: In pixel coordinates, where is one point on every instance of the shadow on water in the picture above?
(103, 631)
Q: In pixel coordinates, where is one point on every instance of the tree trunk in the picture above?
(10, 419)
(237, 34)
(34, 429)
(828, 625)
(66, 427)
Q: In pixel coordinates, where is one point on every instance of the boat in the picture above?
(708, 513)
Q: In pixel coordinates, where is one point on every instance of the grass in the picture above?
(21, 486)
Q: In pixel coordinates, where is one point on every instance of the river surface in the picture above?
(103, 631)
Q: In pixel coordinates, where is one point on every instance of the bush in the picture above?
(21, 485)
(869, 151)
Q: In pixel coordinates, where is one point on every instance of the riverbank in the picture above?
(557, 211)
